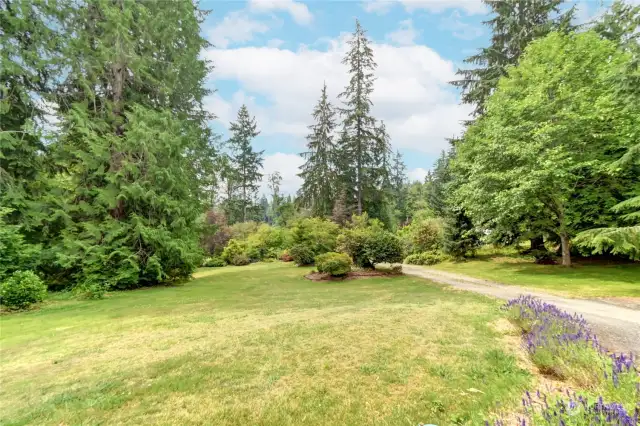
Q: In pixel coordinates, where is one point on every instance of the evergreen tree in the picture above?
(273, 182)
(358, 123)
(436, 185)
(318, 171)
(398, 178)
(30, 58)
(345, 174)
(515, 24)
(245, 161)
(134, 144)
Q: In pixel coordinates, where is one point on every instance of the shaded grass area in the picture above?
(594, 279)
(260, 345)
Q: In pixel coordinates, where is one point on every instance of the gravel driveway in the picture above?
(618, 328)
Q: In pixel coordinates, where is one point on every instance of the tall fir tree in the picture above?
(246, 162)
(30, 56)
(358, 122)
(274, 180)
(134, 144)
(398, 179)
(318, 173)
(514, 25)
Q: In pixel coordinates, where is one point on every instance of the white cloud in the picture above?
(405, 35)
(460, 29)
(236, 27)
(417, 174)
(288, 165)
(471, 7)
(411, 93)
(298, 11)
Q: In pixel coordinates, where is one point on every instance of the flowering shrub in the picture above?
(564, 345)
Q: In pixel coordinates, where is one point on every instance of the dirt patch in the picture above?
(353, 275)
(625, 302)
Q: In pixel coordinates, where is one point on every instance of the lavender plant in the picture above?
(564, 345)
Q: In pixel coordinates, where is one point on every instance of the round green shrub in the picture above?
(333, 263)
(384, 247)
(240, 260)
(214, 262)
(302, 254)
(21, 290)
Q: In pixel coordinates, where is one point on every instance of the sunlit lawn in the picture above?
(581, 280)
(260, 345)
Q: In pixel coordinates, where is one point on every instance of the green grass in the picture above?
(581, 280)
(260, 345)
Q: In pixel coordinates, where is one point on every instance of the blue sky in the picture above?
(274, 55)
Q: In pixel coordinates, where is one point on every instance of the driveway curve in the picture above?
(618, 328)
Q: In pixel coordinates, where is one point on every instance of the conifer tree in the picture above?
(358, 122)
(515, 24)
(274, 180)
(246, 162)
(134, 144)
(318, 172)
(398, 178)
(29, 58)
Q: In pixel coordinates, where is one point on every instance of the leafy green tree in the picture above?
(514, 25)
(134, 144)
(359, 134)
(318, 171)
(551, 128)
(246, 162)
(620, 25)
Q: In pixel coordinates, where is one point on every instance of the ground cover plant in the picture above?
(259, 344)
(564, 346)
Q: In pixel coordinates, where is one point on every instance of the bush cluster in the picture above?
(240, 260)
(368, 243)
(426, 258)
(214, 262)
(302, 254)
(423, 235)
(21, 290)
(336, 264)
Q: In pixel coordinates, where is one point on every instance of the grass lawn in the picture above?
(260, 345)
(581, 280)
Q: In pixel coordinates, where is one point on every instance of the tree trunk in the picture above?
(244, 202)
(537, 243)
(566, 249)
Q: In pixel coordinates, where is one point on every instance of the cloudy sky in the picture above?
(274, 55)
